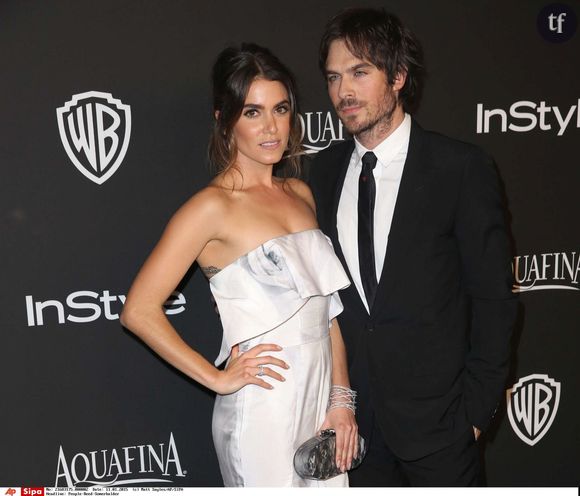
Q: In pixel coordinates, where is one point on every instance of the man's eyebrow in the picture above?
(354, 68)
(362, 65)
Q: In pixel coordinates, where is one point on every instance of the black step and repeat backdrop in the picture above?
(104, 120)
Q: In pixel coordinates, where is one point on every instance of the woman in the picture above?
(274, 277)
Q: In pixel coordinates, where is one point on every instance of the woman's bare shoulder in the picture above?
(212, 199)
(204, 214)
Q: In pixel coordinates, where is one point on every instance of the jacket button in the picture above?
(370, 328)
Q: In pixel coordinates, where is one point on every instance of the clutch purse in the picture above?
(315, 459)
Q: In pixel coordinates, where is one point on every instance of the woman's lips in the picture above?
(270, 145)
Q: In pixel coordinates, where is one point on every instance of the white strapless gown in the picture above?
(282, 292)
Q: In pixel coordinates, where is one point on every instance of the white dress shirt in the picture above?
(391, 155)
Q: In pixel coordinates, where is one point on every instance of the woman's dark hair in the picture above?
(380, 38)
(233, 73)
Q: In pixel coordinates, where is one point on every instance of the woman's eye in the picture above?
(251, 113)
(283, 109)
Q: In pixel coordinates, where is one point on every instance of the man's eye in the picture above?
(331, 78)
(359, 73)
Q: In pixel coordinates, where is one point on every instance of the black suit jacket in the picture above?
(431, 359)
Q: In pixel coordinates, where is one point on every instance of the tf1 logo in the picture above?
(557, 23)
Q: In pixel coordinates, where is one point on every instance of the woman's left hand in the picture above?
(344, 424)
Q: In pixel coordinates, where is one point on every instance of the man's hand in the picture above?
(476, 433)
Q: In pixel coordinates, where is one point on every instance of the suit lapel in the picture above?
(408, 210)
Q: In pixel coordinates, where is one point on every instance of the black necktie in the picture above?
(366, 209)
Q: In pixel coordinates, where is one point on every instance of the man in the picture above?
(417, 219)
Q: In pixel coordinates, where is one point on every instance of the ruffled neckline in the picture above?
(261, 246)
(266, 286)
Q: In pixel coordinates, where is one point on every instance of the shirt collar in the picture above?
(387, 149)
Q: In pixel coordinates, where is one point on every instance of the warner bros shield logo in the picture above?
(532, 404)
(95, 129)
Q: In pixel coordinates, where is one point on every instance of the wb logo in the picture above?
(95, 129)
(532, 405)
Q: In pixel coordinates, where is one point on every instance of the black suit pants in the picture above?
(457, 465)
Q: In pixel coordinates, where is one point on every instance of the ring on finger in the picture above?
(260, 371)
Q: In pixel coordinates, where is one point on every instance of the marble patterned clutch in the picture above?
(315, 458)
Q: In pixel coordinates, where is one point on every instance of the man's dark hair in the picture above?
(379, 37)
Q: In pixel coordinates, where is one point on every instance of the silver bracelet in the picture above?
(342, 397)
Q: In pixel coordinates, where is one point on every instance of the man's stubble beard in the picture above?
(378, 125)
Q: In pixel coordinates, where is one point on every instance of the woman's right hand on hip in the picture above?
(249, 368)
